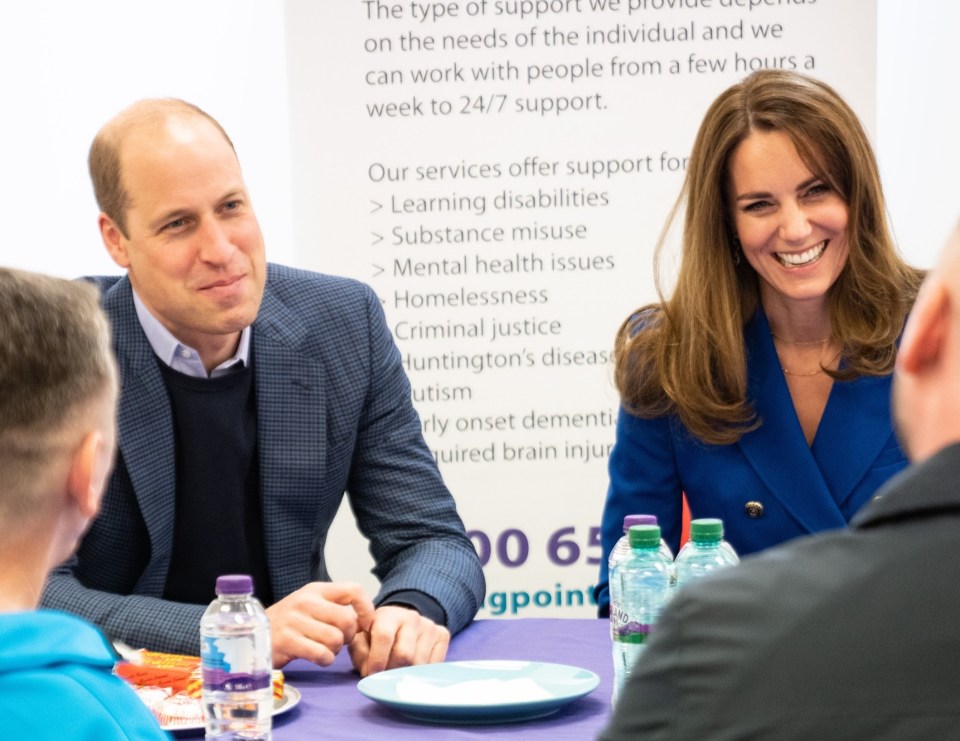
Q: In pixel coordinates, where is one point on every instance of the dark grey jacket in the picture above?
(853, 634)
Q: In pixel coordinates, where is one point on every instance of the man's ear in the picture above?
(89, 468)
(925, 336)
(113, 240)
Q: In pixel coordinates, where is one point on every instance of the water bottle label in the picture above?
(632, 632)
(625, 630)
(218, 681)
(230, 665)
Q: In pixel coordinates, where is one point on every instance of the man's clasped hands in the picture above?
(318, 620)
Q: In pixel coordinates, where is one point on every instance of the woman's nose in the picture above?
(794, 223)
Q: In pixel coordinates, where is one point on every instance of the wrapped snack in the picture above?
(277, 684)
(179, 710)
(178, 672)
(154, 669)
(170, 685)
(152, 696)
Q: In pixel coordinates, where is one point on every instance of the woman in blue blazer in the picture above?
(761, 387)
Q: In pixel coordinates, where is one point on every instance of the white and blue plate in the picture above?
(472, 692)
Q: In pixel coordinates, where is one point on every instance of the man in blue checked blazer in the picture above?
(253, 396)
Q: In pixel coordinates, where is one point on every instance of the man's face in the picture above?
(194, 251)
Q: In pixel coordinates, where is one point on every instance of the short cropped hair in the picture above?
(107, 147)
(55, 360)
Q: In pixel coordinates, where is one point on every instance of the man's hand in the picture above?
(399, 636)
(317, 620)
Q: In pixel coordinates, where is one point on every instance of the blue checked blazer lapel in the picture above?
(291, 433)
(146, 431)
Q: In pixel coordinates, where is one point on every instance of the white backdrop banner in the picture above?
(499, 171)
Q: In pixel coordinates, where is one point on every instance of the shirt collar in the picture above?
(181, 357)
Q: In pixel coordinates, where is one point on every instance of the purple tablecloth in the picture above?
(332, 708)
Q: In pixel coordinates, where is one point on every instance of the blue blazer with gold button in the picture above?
(768, 487)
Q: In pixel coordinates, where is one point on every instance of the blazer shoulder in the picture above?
(103, 282)
(286, 280)
(319, 313)
(116, 298)
(308, 293)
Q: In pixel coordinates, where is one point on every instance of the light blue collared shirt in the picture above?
(182, 358)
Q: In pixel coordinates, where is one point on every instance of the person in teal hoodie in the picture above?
(58, 391)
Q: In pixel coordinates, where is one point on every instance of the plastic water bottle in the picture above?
(622, 548)
(644, 584)
(706, 551)
(236, 663)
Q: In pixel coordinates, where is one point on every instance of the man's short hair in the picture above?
(106, 149)
(55, 360)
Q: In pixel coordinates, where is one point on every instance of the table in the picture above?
(333, 708)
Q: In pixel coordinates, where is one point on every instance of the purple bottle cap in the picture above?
(235, 584)
(631, 520)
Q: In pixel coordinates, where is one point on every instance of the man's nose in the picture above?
(216, 246)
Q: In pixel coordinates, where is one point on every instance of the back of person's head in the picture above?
(927, 383)
(104, 159)
(58, 382)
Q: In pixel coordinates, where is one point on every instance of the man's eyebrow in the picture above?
(167, 217)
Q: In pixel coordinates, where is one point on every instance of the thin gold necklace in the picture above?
(798, 342)
(808, 375)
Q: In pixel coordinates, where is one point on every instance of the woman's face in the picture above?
(791, 224)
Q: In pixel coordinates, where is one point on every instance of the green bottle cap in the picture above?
(706, 529)
(644, 536)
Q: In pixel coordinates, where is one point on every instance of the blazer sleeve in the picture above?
(137, 620)
(104, 580)
(401, 503)
(644, 480)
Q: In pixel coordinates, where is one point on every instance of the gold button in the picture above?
(753, 509)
